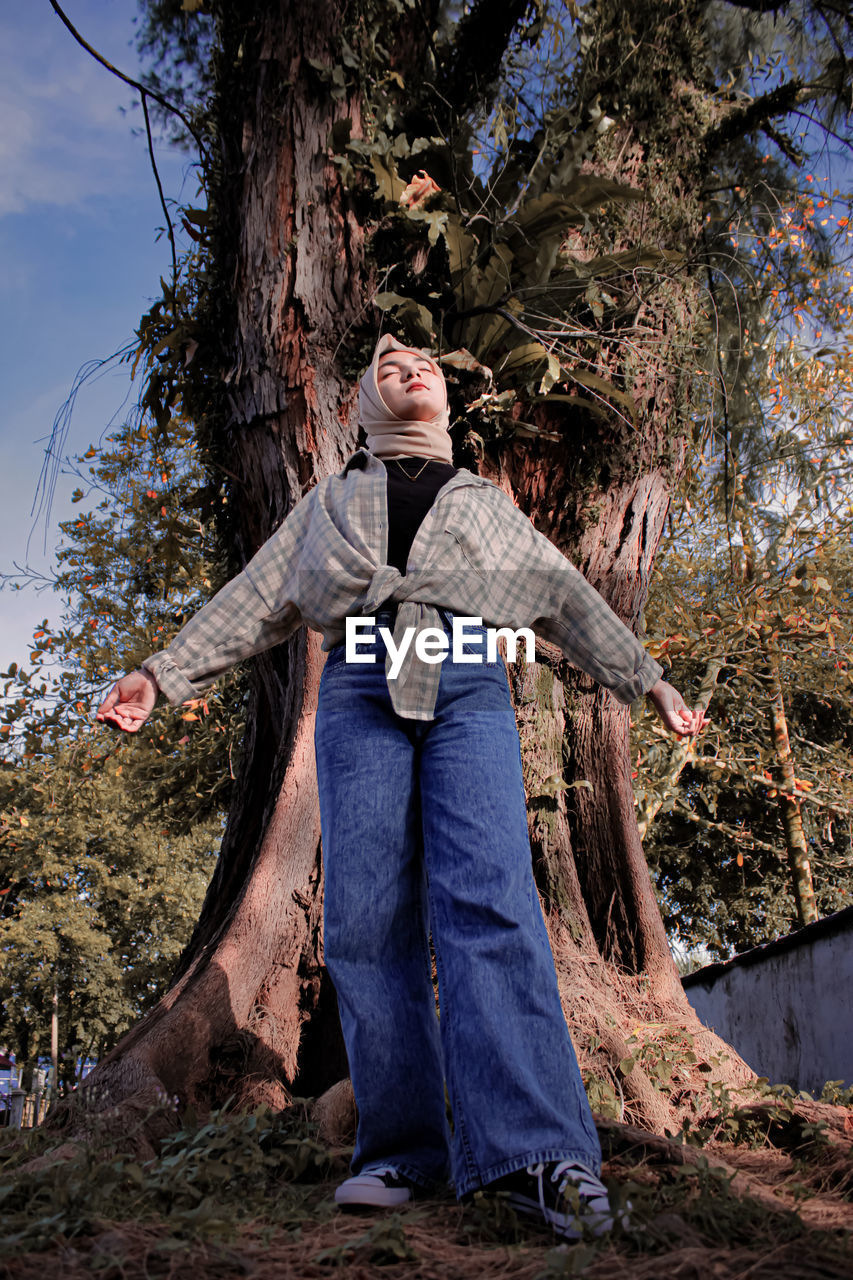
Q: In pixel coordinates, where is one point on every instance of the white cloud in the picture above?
(63, 139)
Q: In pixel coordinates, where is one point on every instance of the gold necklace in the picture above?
(417, 473)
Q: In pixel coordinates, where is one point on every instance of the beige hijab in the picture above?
(391, 437)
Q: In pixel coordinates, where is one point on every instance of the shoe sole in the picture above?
(356, 1206)
(372, 1197)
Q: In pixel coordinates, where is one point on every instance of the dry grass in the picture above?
(724, 1213)
(766, 1196)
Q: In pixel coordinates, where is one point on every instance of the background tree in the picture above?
(105, 851)
(98, 902)
(757, 582)
(563, 258)
(755, 578)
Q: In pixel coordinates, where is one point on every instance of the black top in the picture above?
(409, 500)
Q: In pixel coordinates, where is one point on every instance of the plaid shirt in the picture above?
(475, 554)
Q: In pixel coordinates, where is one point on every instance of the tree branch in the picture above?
(480, 43)
(134, 84)
(144, 93)
(681, 753)
(734, 833)
(743, 120)
(784, 144)
(170, 229)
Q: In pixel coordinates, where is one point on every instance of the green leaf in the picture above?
(587, 191)
(525, 353)
(417, 318)
(461, 249)
(551, 375)
(387, 300)
(593, 382)
(484, 333)
(388, 182)
(435, 220)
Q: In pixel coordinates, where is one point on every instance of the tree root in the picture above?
(335, 1115)
(125, 1108)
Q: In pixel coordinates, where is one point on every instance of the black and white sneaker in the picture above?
(378, 1188)
(565, 1195)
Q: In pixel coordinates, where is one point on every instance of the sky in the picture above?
(80, 259)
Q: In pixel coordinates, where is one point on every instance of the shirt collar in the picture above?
(363, 460)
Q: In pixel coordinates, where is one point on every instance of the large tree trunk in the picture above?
(292, 281)
(251, 1016)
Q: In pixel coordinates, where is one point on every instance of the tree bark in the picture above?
(615, 552)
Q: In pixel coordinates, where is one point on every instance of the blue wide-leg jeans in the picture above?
(425, 833)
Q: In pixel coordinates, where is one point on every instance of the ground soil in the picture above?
(720, 1212)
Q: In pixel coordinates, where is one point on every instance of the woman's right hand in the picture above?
(130, 701)
(674, 711)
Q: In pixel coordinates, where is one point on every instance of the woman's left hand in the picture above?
(674, 711)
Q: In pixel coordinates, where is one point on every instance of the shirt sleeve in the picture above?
(253, 612)
(565, 609)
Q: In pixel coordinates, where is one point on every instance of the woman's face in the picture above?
(410, 386)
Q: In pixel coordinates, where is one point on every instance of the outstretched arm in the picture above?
(251, 613)
(674, 711)
(130, 701)
(568, 611)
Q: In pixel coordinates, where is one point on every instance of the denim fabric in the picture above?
(425, 832)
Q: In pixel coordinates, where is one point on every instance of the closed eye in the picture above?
(386, 369)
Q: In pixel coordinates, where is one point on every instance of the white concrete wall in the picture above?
(787, 1007)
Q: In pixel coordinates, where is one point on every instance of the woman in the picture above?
(421, 798)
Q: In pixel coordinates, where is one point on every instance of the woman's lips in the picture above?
(416, 386)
